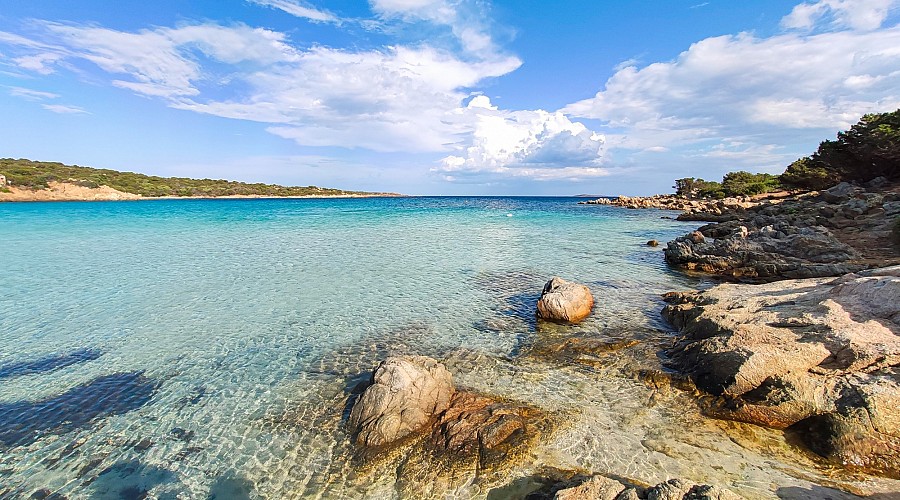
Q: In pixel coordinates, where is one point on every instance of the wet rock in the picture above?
(600, 487)
(440, 438)
(564, 301)
(406, 393)
(820, 357)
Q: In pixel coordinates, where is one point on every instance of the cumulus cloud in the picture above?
(863, 15)
(535, 144)
(790, 89)
(298, 9)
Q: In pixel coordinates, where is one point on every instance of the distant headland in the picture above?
(27, 180)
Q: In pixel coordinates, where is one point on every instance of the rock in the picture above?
(565, 301)
(439, 438)
(839, 193)
(707, 492)
(652, 243)
(596, 488)
(673, 489)
(696, 237)
(603, 488)
(819, 357)
(843, 229)
(406, 393)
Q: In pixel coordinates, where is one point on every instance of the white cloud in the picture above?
(63, 109)
(466, 19)
(30, 94)
(534, 144)
(791, 89)
(298, 9)
(39, 63)
(864, 15)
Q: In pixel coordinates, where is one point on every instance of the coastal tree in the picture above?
(742, 183)
(870, 149)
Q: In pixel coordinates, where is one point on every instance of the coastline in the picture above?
(806, 338)
(64, 191)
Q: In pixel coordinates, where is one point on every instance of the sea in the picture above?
(207, 348)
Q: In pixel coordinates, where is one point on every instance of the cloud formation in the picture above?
(535, 144)
(862, 15)
(753, 99)
(298, 9)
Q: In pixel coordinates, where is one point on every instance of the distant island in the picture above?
(27, 180)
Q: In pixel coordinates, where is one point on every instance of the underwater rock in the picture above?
(565, 301)
(406, 393)
(440, 438)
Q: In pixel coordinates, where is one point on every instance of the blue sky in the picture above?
(442, 96)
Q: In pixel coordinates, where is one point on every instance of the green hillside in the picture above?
(38, 174)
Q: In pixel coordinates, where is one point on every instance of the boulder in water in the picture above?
(565, 301)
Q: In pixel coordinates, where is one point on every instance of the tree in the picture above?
(742, 183)
(809, 174)
(870, 149)
(686, 187)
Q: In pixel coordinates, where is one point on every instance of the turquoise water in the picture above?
(194, 348)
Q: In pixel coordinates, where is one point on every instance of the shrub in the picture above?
(743, 183)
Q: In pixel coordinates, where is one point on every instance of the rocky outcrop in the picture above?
(440, 437)
(600, 487)
(705, 210)
(405, 395)
(564, 301)
(844, 229)
(819, 357)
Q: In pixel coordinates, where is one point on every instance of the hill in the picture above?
(37, 176)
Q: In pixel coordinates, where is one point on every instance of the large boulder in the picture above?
(406, 394)
(438, 438)
(564, 301)
(819, 357)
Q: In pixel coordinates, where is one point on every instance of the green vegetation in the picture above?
(38, 175)
(870, 149)
(733, 184)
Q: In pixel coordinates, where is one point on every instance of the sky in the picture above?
(442, 97)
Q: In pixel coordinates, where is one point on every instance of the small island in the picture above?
(27, 180)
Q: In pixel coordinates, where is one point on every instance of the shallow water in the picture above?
(194, 348)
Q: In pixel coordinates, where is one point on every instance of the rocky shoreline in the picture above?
(811, 342)
(811, 348)
(837, 231)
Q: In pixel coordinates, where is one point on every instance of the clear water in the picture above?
(202, 348)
